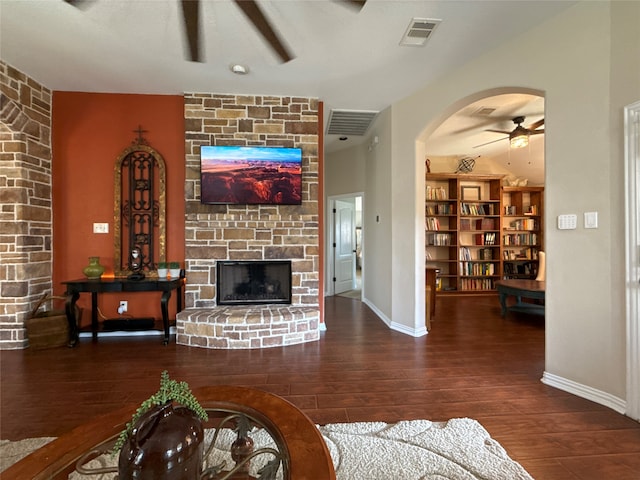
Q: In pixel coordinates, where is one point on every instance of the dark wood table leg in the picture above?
(164, 307)
(94, 316)
(179, 293)
(503, 303)
(70, 310)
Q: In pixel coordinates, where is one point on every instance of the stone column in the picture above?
(25, 201)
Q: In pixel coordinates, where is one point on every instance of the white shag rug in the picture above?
(459, 449)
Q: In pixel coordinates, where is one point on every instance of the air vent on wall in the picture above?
(419, 31)
(350, 122)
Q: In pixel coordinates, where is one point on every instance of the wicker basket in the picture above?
(48, 328)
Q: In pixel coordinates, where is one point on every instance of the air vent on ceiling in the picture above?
(483, 112)
(350, 122)
(419, 31)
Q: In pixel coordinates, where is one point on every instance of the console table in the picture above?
(533, 289)
(103, 285)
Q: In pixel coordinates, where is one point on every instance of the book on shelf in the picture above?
(436, 193)
(486, 224)
(465, 253)
(520, 239)
(477, 284)
(509, 210)
(485, 254)
(432, 223)
(439, 239)
(477, 269)
(529, 253)
(523, 224)
(439, 209)
(477, 208)
(486, 238)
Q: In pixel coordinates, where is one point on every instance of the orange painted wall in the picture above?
(89, 131)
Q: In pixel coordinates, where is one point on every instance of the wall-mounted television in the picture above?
(250, 175)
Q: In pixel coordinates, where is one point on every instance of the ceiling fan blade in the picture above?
(357, 4)
(191, 16)
(489, 143)
(253, 12)
(497, 131)
(81, 4)
(536, 132)
(537, 124)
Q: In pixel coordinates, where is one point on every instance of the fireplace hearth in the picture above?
(253, 282)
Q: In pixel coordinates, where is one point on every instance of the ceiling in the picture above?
(348, 58)
(464, 135)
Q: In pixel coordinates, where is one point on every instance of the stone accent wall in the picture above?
(25, 201)
(255, 232)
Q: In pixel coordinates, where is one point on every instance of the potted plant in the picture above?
(163, 269)
(164, 438)
(174, 269)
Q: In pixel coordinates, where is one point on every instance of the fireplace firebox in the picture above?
(253, 282)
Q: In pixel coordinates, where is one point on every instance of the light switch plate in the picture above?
(590, 219)
(100, 228)
(567, 222)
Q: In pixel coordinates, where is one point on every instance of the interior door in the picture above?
(344, 246)
(632, 194)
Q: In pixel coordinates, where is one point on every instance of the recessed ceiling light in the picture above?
(239, 69)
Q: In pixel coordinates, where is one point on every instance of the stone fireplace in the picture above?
(218, 235)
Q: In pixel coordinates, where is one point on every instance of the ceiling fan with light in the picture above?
(519, 136)
(253, 12)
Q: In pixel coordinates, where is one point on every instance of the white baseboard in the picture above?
(381, 315)
(398, 327)
(584, 391)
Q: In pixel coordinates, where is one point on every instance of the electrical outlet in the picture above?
(123, 306)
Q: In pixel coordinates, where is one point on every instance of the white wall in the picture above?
(378, 219)
(586, 62)
(569, 58)
(344, 171)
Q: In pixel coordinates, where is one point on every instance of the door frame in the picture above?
(632, 263)
(329, 251)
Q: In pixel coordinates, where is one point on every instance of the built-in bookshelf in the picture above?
(478, 231)
(441, 223)
(522, 231)
(462, 222)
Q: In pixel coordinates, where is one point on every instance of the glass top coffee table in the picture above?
(304, 452)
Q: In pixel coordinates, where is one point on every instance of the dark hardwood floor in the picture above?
(473, 364)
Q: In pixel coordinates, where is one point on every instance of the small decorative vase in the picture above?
(174, 273)
(166, 443)
(163, 272)
(241, 449)
(94, 269)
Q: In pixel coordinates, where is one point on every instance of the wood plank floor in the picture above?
(473, 364)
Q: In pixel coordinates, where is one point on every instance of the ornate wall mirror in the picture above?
(139, 210)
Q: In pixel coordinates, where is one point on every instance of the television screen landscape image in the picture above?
(251, 175)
